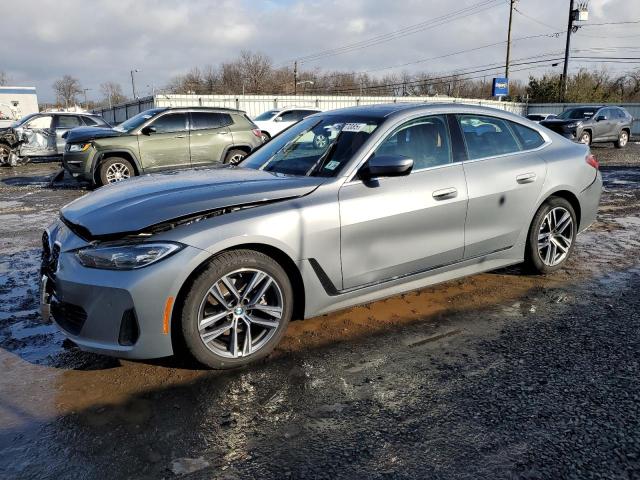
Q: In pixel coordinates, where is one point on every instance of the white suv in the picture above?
(274, 121)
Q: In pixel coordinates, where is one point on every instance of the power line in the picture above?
(405, 31)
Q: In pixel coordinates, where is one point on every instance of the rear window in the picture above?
(529, 138)
(487, 136)
(268, 115)
(203, 120)
(68, 121)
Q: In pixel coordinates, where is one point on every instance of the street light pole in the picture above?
(86, 104)
(133, 83)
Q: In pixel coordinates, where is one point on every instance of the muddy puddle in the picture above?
(46, 382)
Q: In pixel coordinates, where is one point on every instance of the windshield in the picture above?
(581, 113)
(266, 115)
(17, 123)
(139, 119)
(319, 146)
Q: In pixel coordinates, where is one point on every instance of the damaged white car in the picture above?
(41, 135)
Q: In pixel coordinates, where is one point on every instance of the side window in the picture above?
(306, 113)
(487, 136)
(68, 121)
(529, 138)
(291, 116)
(172, 122)
(204, 120)
(40, 122)
(425, 140)
(90, 122)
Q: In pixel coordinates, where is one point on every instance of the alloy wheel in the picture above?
(240, 313)
(624, 138)
(116, 172)
(555, 236)
(585, 138)
(236, 159)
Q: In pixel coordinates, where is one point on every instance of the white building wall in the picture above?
(16, 102)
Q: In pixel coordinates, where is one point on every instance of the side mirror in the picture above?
(277, 119)
(386, 166)
(148, 130)
(599, 118)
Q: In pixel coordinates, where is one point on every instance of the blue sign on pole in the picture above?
(500, 87)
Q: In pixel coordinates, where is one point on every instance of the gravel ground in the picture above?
(500, 375)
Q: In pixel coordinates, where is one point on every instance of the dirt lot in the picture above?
(500, 375)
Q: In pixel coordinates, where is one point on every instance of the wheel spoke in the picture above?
(273, 311)
(256, 298)
(233, 341)
(247, 346)
(215, 333)
(255, 280)
(262, 322)
(231, 287)
(208, 321)
(564, 222)
(557, 244)
(217, 294)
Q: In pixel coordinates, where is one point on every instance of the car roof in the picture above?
(386, 110)
(202, 109)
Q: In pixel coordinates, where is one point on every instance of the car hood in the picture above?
(136, 204)
(85, 134)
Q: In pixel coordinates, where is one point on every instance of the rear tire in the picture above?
(551, 236)
(623, 139)
(235, 156)
(225, 329)
(115, 169)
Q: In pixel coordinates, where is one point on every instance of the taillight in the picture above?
(257, 132)
(591, 160)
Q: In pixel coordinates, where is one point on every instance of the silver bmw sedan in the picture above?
(343, 208)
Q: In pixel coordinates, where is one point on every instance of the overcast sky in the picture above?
(95, 41)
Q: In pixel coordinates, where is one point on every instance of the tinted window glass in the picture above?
(487, 136)
(268, 115)
(528, 137)
(68, 121)
(425, 140)
(292, 116)
(172, 122)
(535, 118)
(40, 122)
(89, 121)
(200, 120)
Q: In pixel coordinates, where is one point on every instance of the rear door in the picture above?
(504, 177)
(209, 137)
(399, 226)
(168, 146)
(64, 123)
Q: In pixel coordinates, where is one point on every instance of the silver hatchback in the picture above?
(400, 197)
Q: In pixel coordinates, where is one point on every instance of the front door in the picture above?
(398, 226)
(209, 137)
(38, 137)
(504, 177)
(168, 146)
(602, 129)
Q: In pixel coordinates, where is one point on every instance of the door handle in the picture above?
(445, 193)
(526, 178)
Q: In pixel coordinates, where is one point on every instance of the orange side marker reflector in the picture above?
(167, 315)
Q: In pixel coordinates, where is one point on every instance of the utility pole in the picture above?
(86, 104)
(133, 83)
(506, 67)
(295, 78)
(565, 68)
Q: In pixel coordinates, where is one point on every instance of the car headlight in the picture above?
(126, 256)
(79, 147)
(572, 125)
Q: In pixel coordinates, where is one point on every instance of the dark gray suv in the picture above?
(588, 124)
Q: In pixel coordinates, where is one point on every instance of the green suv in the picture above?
(160, 139)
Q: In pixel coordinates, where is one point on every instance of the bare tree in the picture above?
(4, 80)
(255, 69)
(112, 93)
(67, 90)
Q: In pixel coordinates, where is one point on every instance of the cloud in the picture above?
(98, 41)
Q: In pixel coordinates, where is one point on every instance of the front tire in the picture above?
(115, 169)
(551, 236)
(585, 137)
(237, 309)
(623, 139)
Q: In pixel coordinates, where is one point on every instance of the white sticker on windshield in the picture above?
(332, 165)
(353, 127)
